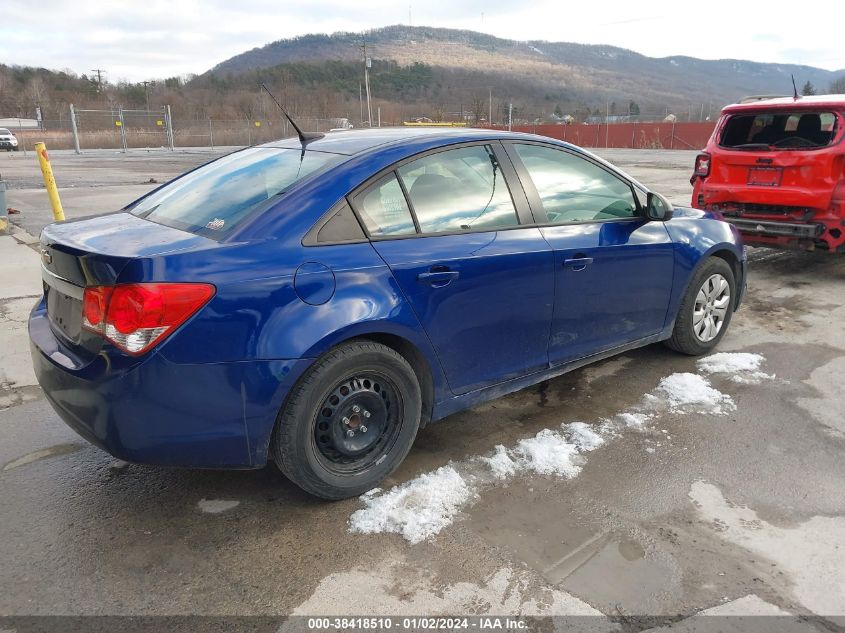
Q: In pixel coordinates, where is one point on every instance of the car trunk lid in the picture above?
(94, 252)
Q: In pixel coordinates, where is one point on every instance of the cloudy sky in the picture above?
(138, 40)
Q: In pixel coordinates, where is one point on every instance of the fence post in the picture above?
(249, 133)
(169, 122)
(23, 138)
(74, 130)
(210, 134)
(672, 141)
(4, 219)
(122, 128)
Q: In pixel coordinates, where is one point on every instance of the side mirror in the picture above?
(657, 207)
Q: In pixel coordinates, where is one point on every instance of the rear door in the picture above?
(613, 268)
(448, 225)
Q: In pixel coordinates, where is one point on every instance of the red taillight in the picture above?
(702, 165)
(94, 303)
(136, 317)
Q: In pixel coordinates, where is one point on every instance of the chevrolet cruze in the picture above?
(316, 301)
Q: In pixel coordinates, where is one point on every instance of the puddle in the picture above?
(612, 570)
(44, 453)
(620, 576)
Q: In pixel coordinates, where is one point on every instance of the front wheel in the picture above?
(349, 421)
(706, 309)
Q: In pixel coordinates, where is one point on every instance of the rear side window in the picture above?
(215, 198)
(384, 210)
(781, 130)
(459, 190)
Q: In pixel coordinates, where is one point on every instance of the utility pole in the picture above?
(490, 114)
(361, 101)
(510, 116)
(367, 63)
(146, 94)
(99, 72)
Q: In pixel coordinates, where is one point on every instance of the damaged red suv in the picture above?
(775, 168)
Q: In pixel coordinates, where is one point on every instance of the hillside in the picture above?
(589, 74)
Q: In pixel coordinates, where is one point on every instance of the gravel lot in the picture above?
(736, 507)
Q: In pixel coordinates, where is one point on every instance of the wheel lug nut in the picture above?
(363, 429)
(356, 408)
(346, 421)
(367, 414)
(350, 433)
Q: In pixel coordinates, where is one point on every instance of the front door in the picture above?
(480, 284)
(613, 268)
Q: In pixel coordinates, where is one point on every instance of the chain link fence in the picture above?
(150, 130)
(128, 130)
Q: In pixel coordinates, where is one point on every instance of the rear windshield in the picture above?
(215, 198)
(779, 130)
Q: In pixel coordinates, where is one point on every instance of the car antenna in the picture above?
(794, 89)
(304, 137)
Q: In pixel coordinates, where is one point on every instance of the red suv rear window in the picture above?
(781, 130)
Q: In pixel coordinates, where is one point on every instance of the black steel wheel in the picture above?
(349, 421)
(358, 423)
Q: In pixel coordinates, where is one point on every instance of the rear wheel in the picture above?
(706, 309)
(349, 421)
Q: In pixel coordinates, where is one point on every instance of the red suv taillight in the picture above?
(702, 166)
(137, 317)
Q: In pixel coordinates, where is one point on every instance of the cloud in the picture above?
(159, 38)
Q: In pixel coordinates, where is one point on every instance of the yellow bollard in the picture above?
(50, 182)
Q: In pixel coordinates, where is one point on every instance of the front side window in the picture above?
(216, 197)
(459, 190)
(573, 189)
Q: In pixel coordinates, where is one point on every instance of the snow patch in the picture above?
(690, 393)
(500, 463)
(583, 436)
(548, 453)
(216, 506)
(422, 507)
(742, 367)
(417, 509)
(633, 420)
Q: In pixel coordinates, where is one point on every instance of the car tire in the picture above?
(697, 316)
(322, 441)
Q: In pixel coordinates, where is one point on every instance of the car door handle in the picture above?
(577, 263)
(438, 278)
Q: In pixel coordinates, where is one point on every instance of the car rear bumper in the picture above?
(798, 220)
(210, 415)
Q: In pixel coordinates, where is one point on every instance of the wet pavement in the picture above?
(742, 512)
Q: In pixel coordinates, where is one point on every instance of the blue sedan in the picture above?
(316, 302)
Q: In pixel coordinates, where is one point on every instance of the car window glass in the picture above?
(779, 131)
(341, 227)
(573, 189)
(215, 198)
(384, 210)
(459, 190)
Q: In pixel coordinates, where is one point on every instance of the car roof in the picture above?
(357, 141)
(815, 102)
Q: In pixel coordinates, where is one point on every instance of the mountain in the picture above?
(578, 73)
